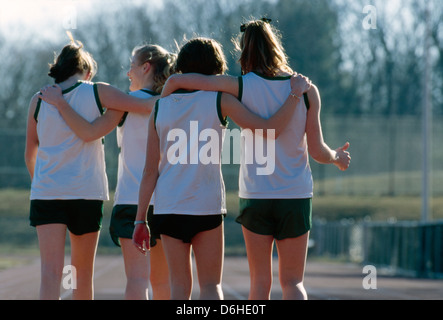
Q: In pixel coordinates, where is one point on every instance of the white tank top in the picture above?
(191, 132)
(291, 176)
(67, 167)
(132, 137)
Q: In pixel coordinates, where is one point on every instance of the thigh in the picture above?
(136, 264)
(292, 257)
(259, 252)
(159, 265)
(178, 256)
(83, 250)
(208, 247)
(51, 239)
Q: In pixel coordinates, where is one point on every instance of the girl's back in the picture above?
(66, 166)
(190, 131)
(291, 176)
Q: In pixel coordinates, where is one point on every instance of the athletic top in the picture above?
(291, 177)
(191, 132)
(132, 137)
(67, 167)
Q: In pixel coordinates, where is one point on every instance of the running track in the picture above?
(323, 281)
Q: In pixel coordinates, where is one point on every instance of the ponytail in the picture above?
(72, 59)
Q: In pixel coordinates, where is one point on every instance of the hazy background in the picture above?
(367, 58)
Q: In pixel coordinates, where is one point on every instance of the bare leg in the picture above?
(259, 251)
(51, 238)
(178, 255)
(83, 249)
(159, 273)
(292, 260)
(208, 249)
(137, 271)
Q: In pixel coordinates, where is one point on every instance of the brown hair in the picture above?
(162, 61)
(72, 59)
(261, 49)
(201, 55)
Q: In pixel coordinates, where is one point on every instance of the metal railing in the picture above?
(404, 248)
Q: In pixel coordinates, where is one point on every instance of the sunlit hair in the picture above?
(201, 55)
(72, 59)
(160, 59)
(261, 49)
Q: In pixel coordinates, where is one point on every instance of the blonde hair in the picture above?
(72, 59)
(162, 61)
(261, 49)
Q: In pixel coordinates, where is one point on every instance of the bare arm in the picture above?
(32, 142)
(140, 236)
(113, 98)
(318, 149)
(87, 131)
(197, 81)
(247, 120)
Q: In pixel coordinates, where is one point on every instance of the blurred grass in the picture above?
(17, 236)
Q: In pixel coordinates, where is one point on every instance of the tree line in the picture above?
(359, 71)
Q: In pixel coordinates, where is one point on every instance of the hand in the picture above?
(140, 238)
(52, 94)
(300, 84)
(343, 158)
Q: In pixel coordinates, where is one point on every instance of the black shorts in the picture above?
(122, 223)
(80, 216)
(185, 227)
(280, 218)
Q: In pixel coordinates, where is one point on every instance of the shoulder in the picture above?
(35, 100)
(313, 93)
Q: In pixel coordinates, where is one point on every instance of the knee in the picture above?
(293, 289)
(211, 291)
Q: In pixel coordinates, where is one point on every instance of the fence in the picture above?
(404, 248)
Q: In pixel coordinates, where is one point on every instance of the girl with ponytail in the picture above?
(150, 67)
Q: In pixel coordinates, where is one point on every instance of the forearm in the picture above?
(82, 128)
(322, 153)
(113, 98)
(283, 116)
(30, 165)
(147, 187)
(195, 81)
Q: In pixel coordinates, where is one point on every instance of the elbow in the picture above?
(87, 138)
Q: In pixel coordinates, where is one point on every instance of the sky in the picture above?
(46, 18)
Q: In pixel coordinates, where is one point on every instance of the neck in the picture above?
(71, 81)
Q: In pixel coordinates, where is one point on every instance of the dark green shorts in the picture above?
(281, 218)
(122, 223)
(80, 216)
(185, 227)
